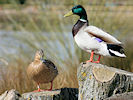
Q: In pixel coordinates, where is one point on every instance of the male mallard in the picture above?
(42, 70)
(93, 39)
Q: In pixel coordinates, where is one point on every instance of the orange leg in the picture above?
(50, 87)
(38, 90)
(91, 57)
(98, 59)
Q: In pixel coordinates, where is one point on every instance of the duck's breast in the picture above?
(40, 73)
(86, 41)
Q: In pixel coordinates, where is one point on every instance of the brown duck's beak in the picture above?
(68, 14)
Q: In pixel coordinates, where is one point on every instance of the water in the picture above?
(14, 41)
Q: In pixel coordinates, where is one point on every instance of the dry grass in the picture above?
(15, 77)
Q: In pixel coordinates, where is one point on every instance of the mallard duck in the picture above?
(93, 39)
(42, 70)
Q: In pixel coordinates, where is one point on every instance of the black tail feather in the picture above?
(116, 50)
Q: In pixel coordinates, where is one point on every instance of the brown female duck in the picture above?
(41, 70)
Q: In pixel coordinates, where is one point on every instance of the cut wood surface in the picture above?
(97, 81)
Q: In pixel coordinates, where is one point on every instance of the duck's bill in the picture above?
(68, 14)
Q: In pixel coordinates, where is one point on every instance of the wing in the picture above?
(49, 63)
(94, 31)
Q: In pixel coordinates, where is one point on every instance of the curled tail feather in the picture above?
(116, 50)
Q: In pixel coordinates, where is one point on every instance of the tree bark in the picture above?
(61, 94)
(97, 81)
(11, 95)
(123, 96)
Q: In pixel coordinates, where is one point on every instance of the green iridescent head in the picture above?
(78, 10)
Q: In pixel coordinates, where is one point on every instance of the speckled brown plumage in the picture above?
(41, 70)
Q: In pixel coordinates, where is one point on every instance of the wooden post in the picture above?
(97, 81)
(61, 94)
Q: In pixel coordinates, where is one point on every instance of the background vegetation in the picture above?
(25, 28)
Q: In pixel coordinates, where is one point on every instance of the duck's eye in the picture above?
(54, 67)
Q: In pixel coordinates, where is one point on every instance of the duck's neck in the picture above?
(79, 24)
(36, 59)
(83, 16)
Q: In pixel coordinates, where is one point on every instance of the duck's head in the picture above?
(77, 10)
(39, 54)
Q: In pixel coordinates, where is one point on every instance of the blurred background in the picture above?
(29, 25)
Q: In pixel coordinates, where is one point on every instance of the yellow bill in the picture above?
(68, 14)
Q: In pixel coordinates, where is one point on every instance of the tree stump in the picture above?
(97, 81)
(11, 95)
(123, 96)
(62, 94)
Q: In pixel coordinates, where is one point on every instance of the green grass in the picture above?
(43, 26)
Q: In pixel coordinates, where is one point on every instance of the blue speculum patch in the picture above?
(99, 40)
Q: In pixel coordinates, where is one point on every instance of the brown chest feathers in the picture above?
(78, 26)
(42, 72)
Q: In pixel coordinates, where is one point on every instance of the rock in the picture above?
(97, 81)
